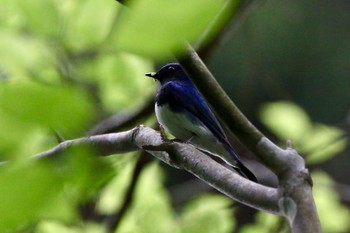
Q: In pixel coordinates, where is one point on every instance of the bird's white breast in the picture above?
(180, 125)
(175, 123)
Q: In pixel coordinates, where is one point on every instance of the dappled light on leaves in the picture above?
(33, 190)
(68, 65)
(62, 108)
(155, 28)
(318, 141)
(333, 215)
(151, 204)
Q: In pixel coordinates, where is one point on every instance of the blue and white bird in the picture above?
(184, 113)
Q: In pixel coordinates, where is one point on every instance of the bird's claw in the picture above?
(162, 133)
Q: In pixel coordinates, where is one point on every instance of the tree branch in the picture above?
(295, 183)
(223, 26)
(183, 156)
(106, 144)
(229, 112)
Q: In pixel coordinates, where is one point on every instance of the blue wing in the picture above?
(183, 96)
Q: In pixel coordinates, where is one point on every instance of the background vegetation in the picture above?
(67, 65)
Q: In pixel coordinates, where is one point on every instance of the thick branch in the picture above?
(220, 102)
(296, 200)
(182, 156)
(295, 188)
(228, 111)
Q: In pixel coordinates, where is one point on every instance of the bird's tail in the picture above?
(239, 166)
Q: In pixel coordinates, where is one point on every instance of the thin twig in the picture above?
(123, 2)
(232, 15)
(119, 121)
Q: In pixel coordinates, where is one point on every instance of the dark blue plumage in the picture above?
(183, 111)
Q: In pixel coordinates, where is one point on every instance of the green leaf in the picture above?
(49, 188)
(285, 119)
(334, 216)
(26, 189)
(22, 56)
(30, 111)
(55, 227)
(288, 121)
(84, 172)
(151, 204)
(112, 195)
(35, 19)
(323, 142)
(154, 27)
(266, 223)
(208, 213)
(17, 137)
(119, 76)
(90, 22)
(122, 81)
(61, 108)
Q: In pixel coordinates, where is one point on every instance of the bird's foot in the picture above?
(175, 140)
(162, 133)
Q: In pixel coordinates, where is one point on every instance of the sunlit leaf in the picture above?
(55, 227)
(113, 194)
(61, 108)
(10, 131)
(208, 213)
(84, 172)
(87, 23)
(151, 204)
(334, 216)
(48, 189)
(26, 189)
(153, 27)
(285, 119)
(122, 80)
(22, 56)
(39, 16)
(266, 223)
(317, 141)
(323, 142)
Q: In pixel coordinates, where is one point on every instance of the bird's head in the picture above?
(169, 72)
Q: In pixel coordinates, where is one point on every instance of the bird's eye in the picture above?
(171, 68)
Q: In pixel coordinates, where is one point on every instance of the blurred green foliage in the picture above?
(63, 66)
(287, 68)
(34, 190)
(319, 142)
(152, 210)
(156, 27)
(66, 64)
(334, 216)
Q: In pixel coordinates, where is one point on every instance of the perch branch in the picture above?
(179, 155)
(295, 183)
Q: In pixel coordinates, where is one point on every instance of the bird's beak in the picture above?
(151, 74)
